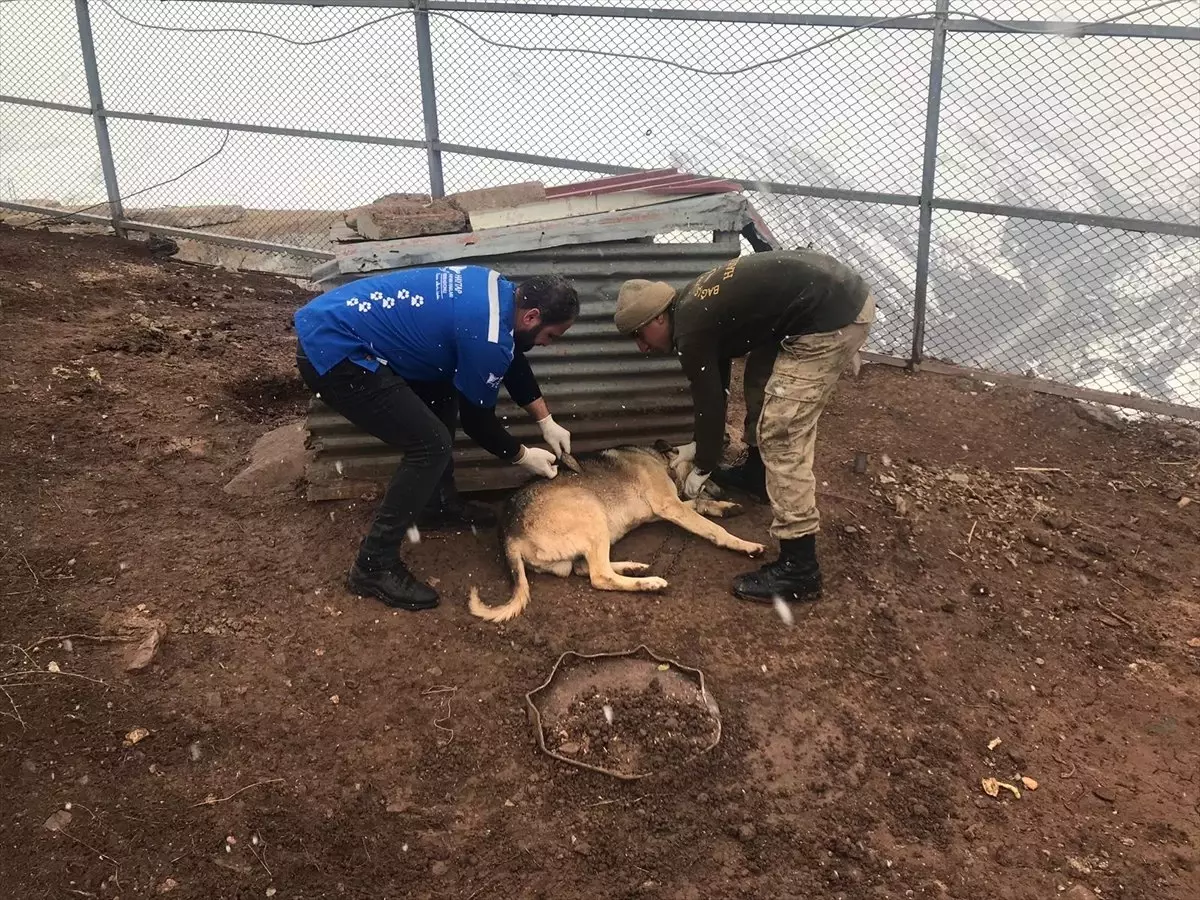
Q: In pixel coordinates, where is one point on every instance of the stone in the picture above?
(746, 833)
(439, 868)
(139, 658)
(1057, 520)
(277, 463)
(397, 216)
(58, 821)
(1038, 538)
(1099, 415)
(500, 197)
(189, 216)
(1078, 892)
(1078, 866)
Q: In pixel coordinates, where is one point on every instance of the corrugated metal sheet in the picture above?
(596, 382)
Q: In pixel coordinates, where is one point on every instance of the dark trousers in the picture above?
(416, 418)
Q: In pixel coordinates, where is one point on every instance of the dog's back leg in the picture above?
(621, 568)
(603, 573)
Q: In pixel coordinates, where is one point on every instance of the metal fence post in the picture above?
(437, 187)
(96, 100)
(928, 172)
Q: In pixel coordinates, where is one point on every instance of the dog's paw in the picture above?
(630, 568)
(753, 550)
(652, 584)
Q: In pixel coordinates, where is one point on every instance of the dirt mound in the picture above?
(633, 732)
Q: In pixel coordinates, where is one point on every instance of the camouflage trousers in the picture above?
(787, 387)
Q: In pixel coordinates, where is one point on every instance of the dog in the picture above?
(568, 524)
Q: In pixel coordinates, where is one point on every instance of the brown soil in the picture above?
(307, 742)
(632, 732)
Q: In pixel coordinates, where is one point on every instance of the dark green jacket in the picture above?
(754, 301)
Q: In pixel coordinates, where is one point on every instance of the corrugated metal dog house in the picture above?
(596, 382)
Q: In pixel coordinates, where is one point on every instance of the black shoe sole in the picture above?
(807, 597)
(359, 591)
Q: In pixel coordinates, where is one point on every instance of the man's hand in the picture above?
(555, 435)
(538, 461)
(695, 484)
(682, 464)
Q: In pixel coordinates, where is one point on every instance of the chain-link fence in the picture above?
(1018, 179)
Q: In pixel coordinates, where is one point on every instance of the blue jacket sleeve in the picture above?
(481, 368)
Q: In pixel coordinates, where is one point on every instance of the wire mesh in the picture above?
(1094, 307)
(40, 57)
(264, 187)
(242, 63)
(879, 241)
(791, 121)
(1143, 13)
(465, 172)
(1066, 123)
(49, 158)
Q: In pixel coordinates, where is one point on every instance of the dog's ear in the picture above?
(663, 447)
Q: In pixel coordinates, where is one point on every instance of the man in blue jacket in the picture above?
(406, 355)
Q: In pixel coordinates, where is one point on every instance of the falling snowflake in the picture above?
(365, 306)
(783, 610)
(388, 302)
(376, 295)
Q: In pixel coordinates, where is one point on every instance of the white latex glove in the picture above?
(682, 462)
(538, 461)
(695, 484)
(555, 435)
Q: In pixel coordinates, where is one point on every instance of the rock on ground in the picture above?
(277, 463)
(189, 216)
(407, 215)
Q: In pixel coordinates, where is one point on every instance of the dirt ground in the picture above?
(979, 622)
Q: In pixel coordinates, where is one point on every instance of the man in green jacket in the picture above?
(798, 317)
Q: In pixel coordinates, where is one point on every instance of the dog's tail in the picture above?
(520, 596)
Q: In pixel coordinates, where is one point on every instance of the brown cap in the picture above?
(639, 301)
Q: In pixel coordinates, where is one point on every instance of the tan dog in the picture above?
(568, 524)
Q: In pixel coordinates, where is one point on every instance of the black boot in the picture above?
(748, 478)
(395, 586)
(794, 576)
(447, 510)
